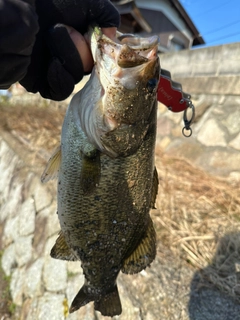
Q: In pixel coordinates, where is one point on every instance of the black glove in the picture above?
(55, 63)
(18, 27)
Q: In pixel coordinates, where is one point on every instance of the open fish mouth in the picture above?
(126, 50)
(144, 47)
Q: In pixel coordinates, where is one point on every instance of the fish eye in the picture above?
(151, 84)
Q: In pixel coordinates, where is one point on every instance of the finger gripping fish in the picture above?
(107, 182)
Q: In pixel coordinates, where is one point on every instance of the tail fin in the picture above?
(80, 300)
(110, 304)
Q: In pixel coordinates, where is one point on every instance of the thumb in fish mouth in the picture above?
(83, 48)
(109, 32)
(83, 45)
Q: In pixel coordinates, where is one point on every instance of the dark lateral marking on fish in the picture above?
(90, 173)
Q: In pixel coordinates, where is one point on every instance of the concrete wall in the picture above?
(212, 70)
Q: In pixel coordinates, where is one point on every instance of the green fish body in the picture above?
(107, 181)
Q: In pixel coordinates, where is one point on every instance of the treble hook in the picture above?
(187, 123)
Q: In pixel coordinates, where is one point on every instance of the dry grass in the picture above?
(37, 127)
(197, 216)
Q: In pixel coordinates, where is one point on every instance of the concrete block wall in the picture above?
(212, 70)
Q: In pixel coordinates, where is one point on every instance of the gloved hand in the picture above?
(18, 27)
(56, 65)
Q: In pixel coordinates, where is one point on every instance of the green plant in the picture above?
(7, 306)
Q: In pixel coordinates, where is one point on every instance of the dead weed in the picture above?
(198, 218)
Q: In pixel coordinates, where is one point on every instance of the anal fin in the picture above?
(61, 250)
(109, 305)
(144, 253)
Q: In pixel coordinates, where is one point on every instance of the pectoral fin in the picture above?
(155, 183)
(53, 165)
(61, 250)
(91, 172)
(144, 254)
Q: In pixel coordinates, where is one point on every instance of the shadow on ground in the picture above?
(215, 290)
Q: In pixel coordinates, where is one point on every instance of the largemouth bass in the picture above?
(107, 181)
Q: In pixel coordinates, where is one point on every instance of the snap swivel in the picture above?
(186, 130)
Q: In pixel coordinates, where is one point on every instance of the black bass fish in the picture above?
(107, 181)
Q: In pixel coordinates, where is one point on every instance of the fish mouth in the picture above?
(114, 57)
(126, 50)
(137, 43)
(136, 50)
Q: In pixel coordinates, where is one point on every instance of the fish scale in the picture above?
(107, 181)
(111, 184)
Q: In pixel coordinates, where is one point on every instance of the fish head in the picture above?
(128, 68)
(117, 103)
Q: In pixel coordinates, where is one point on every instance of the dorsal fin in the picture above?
(52, 167)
